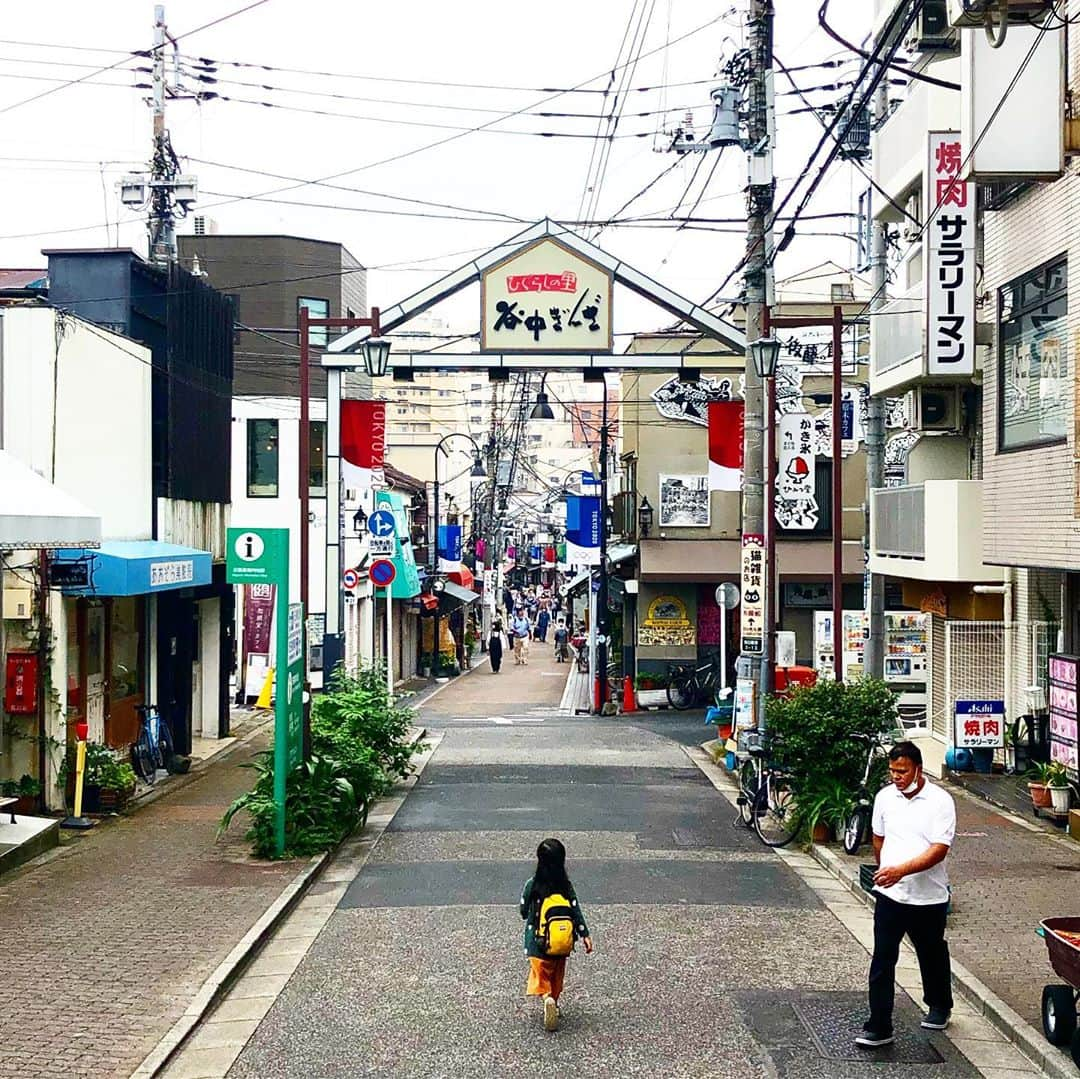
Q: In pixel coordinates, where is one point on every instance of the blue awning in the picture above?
(133, 568)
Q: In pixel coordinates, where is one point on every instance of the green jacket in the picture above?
(529, 909)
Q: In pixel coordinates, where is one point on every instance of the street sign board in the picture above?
(382, 573)
(293, 704)
(350, 578)
(980, 724)
(257, 555)
(381, 545)
(753, 595)
(727, 595)
(381, 523)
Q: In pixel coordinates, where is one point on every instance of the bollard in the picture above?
(629, 699)
(78, 821)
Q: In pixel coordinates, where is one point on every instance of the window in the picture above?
(125, 647)
(402, 411)
(262, 458)
(317, 335)
(1033, 361)
(317, 457)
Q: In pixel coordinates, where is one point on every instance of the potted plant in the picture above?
(1038, 775)
(426, 663)
(825, 807)
(25, 790)
(651, 692)
(1057, 785)
(117, 786)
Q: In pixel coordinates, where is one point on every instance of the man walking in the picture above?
(914, 823)
(520, 628)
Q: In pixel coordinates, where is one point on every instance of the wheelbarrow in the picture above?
(1061, 1002)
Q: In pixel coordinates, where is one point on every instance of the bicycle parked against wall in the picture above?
(689, 685)
(766, 802)
(153, 748)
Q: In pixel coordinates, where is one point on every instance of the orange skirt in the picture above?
(545, 977)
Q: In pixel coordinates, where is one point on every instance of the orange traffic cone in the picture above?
(629, 700)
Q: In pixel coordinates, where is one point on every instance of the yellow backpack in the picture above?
(555, 928)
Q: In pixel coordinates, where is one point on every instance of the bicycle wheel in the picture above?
(748, 785)
(166, 749)
(856, 829)
(776, 818)
(681, 693)
(142, 759)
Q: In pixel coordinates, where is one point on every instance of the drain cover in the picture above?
(832, 1021)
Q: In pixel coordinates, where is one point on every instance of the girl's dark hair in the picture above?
(550, 876)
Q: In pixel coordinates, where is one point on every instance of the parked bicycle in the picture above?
(857, 828)
(153, 747)
(766, 801)
(689, 685)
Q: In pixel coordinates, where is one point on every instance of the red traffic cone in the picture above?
(629, 700)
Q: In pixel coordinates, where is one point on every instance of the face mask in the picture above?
(912, 787)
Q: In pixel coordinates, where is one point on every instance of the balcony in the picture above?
(930, 531)
(896, 343)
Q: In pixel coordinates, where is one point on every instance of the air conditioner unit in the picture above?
(911, 229)
(931, 31)
(969, 14)
(933, 408)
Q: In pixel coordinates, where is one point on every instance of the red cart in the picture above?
(1060, 1002)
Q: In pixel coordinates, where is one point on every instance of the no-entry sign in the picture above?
(382, 572)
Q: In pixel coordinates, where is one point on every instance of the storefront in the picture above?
(140, 614)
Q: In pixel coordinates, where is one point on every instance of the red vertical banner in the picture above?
(258, 616)
(363, 443)
(725, 445)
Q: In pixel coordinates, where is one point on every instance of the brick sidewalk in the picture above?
(106, 944)
(1006, 877)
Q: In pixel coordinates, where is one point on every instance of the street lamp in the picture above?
(645, 517)
(359, 523)
(376, 352)
(542, 410)
(765, 352)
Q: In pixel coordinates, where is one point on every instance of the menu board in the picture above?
(1063, 711)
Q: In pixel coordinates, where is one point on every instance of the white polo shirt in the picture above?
(910, 826)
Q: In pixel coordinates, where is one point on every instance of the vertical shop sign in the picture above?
(258, 614)
(1063, 711)
(950, 259)
(753, 595)
(363, 444)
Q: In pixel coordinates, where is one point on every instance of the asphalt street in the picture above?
(713, 957)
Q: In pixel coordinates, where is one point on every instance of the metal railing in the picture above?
(897, 333)
(899, 519)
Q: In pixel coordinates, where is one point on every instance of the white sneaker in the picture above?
(551, 1014)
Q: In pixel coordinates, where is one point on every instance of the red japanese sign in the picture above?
(20, 684)
(542, 282)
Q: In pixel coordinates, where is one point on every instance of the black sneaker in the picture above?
(936, 1019)
(874, 1039)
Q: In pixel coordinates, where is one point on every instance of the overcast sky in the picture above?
(61, 155)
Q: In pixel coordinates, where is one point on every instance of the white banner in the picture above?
(795, 470)
(949, 246)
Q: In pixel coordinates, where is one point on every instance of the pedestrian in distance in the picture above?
(914, 822)
(495, 645)
(521, 631)
(543, 620)
(562, 643)
(553, 922)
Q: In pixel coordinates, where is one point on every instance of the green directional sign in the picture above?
(261, 556)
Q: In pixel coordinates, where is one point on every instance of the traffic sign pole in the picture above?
(389, 646)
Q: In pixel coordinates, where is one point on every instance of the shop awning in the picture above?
(135, 568)
(462, 577)
(577, 584)
(458, 595)
(34, 513)
(719, 560)
(620, 552)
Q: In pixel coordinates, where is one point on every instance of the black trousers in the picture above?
(926, 927)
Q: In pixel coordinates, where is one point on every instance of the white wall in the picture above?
(95, 386)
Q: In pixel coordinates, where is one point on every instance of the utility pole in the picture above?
(874, 657)
(602, 613)
(758, 287)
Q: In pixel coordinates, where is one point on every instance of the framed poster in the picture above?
(684, 502)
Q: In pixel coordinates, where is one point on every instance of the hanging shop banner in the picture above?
(363, 444)
(258, 616)
(753, 595)
(546, 298)
(1063, 711)
(796, 503)
(980, 724)
(583, 523)
(950, 259)
(449, 548)
(725, 445)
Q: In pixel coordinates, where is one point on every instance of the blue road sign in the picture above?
(382, 572)
(381, 523)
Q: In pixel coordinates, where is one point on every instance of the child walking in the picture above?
(547, 970)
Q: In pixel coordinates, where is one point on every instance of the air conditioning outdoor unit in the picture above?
(931, 31)
(911, 229)
(933, 408)
(969, 14)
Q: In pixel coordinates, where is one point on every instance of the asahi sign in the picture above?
(949, 276)
(546, 298)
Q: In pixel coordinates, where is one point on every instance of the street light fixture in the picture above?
(376, 352)
(765, 352)
(359, 523)
(645, 517)
(478, 471)
(541, 410)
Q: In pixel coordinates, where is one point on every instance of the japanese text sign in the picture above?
(949, 245)
(980, 724)
(546, 298)
(753, 595)
(1063, 711)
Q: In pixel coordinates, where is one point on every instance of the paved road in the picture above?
(713, 957)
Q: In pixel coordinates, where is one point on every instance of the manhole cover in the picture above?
(833, 1025)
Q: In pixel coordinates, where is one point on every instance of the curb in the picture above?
(230, 969)
(977, 993)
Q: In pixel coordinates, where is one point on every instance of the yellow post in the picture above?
(80, 767)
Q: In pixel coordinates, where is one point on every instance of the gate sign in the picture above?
(980, 724)
(546, 298)
(753, 595)
(382, 573)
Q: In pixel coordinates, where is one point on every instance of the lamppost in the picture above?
(765, 352)
(478, 472)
